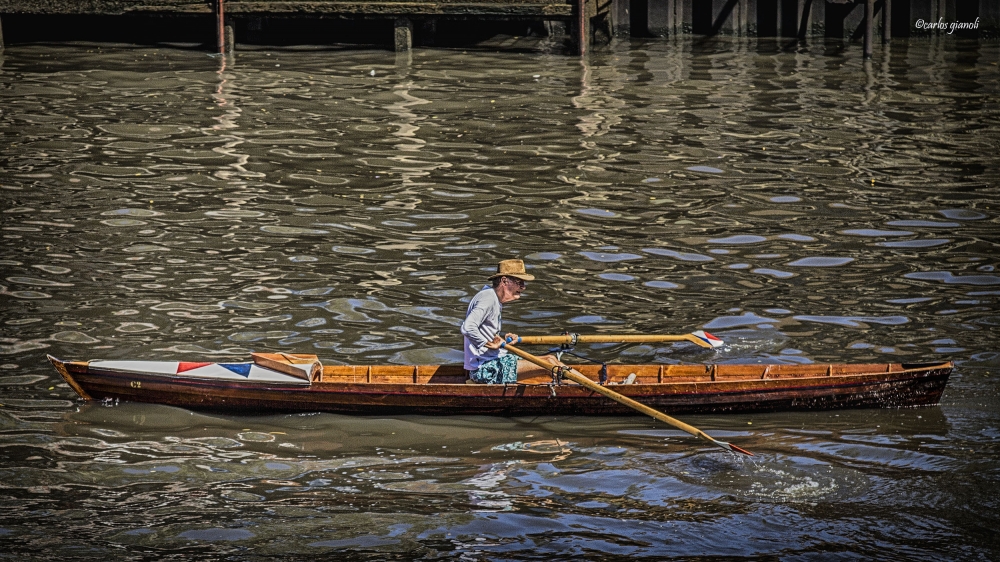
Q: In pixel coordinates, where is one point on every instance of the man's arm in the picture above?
(470, 328)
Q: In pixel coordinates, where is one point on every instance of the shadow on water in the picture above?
(198, 32)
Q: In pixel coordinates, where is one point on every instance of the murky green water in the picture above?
(163, 203)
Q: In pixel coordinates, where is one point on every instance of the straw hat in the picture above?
(512, 268)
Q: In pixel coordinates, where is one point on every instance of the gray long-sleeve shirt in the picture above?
(481, 325)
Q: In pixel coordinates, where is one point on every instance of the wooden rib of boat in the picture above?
(288, 383)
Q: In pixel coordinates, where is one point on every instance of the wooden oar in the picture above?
(581, 379)
(704, 339)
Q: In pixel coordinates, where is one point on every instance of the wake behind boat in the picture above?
(289, 382)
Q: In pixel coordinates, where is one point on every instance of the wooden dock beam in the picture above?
(582, 27)
(220, 27)
(224, 31)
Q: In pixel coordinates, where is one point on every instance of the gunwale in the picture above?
(441, 389)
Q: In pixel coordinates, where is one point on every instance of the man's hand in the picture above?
(495, 344)
(498, 342)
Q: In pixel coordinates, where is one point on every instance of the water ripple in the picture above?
(607, 257)
(706, 169)
(854, 321)
(923, 224)
(876, 232)
(616, 277)
(291, 230)
(747, 319)
(952, 279)
(596, 212)
(685, 256)
(820, 261)
(774, 273)
(739, 239)
(797, 237)
(962, 214)
(930, 243)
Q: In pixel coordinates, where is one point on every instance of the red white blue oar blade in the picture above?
(727, 446)
(708, 338)
(736, 449)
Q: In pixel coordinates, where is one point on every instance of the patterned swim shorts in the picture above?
(502, 370)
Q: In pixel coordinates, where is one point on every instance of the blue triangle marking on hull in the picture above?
(238, 368)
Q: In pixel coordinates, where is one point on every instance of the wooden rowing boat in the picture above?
(283, 382)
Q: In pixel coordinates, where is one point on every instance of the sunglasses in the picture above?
(516, 281)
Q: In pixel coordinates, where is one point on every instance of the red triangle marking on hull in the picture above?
(187, 366)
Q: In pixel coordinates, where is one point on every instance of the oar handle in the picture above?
(581, 379)
(602, 338)
(698, 338)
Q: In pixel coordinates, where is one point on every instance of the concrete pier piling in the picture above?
(886, 21)
(620, 18)
(850, 20)
(869, 26)
(404, 34)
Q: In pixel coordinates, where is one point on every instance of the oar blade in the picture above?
(728, 446)
(739, 449)
(708, 338)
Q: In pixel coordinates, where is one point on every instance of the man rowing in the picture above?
(485, 361)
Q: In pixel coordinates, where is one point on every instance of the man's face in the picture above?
(512, 288)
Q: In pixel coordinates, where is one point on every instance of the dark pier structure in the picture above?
(243, 20)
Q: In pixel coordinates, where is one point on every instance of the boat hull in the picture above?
(716, 392)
